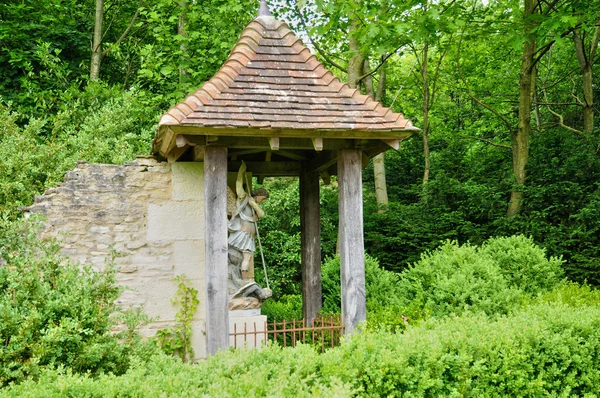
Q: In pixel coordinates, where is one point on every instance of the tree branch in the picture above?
(489, 108)
(383, 59)
(561, 120)
(126, 31)
(315, 44)
(595, 41)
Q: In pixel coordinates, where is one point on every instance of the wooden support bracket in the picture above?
(182, 140)
(393, 143)
(323, 161)
(176, 153)
(211, 139)
(274, 143)
(318, 144)
(199, 153)
(365, 160)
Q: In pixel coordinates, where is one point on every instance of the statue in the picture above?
(242, 228)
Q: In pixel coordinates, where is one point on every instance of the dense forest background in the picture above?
(502, 90)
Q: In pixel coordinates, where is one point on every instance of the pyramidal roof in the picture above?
(272, 82)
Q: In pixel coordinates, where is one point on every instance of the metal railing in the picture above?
(324, 332)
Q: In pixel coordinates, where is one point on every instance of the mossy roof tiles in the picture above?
(272, 81)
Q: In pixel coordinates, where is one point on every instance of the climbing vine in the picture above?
(176, 340)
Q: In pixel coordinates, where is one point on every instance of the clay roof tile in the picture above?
(272, 81)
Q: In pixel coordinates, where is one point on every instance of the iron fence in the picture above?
(324, 332)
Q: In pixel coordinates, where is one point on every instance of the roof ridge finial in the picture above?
(263, 11)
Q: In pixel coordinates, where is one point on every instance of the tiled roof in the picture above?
(272, 81)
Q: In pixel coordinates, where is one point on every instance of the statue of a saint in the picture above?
(242, 225)
(244, 292)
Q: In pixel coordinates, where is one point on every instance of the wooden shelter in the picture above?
(275, 106)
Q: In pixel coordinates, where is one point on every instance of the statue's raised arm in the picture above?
(239, 182)
(242, 226)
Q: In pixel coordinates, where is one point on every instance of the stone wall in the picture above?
(151, 214)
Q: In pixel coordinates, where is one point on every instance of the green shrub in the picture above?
(288, 307)
(381, 285)
(455, 279)
(55, 313)
(548, 349)
(524, 264)
(492, 278)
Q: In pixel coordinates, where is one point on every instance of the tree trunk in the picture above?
(379, 160)
(425, 130)
(182, 26)
(356, 61)
(97, 42)
(520, 139)
(585, 64)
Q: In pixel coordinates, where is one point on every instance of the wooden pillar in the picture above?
(351, 240)
(215, 216)
(310, 224)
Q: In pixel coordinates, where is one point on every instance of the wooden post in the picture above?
(215, 216)
(310, 224)
(351, 240)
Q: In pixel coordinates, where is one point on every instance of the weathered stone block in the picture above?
(176, 221)
(189, 259)
(188, 181)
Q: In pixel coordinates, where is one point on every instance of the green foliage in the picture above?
(176, 340)
(100, 125)
(545, 349)
(541, 350)
(288, 307)
(381, 285)
(493, 278)
(55, 313)
(524, 264)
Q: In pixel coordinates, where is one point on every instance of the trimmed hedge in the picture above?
(545, 349)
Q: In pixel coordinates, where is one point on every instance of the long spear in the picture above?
(262, 256)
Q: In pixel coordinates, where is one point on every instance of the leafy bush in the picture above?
(100, 124)
(547, 349)
(55, 313)
(492, 278)
(288, 307)
(381, 285)
(524, 264)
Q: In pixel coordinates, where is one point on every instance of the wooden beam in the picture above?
(215, 223)
(268, 156)
(364, 159)
(393, 143)
(310, 225)
(351, 241)
(326, 177)
(318, 144)
(245, 152)
(292, 143)
(270, 169)
(199, 153)
(368, 134)
(167, 143)
(291, 155)
(323, 161)
(274, 143)
(176, 153)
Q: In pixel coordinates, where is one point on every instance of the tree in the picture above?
(97, 52)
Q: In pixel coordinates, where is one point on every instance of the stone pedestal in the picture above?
(249, 327)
